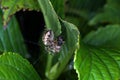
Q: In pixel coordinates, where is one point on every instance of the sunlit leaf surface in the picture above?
(93, 63)
(14, 67)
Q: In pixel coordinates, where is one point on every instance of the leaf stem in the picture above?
(49, 64)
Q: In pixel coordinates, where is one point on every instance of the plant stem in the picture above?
(49, 64)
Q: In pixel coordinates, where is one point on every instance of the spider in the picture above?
(52, 44)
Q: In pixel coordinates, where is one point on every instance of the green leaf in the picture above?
(51, 18)
(111, 16)
(14, 67)
(71, 36)
(93, 63)
(83, 8)
(70, 33)
(113, 3)
(110, 13)
(11, 38)
(88, 5)
(108, 36)
(59, 7)
(74, 20)
(10, 7)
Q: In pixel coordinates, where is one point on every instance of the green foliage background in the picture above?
(90, 29)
